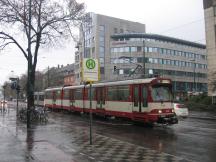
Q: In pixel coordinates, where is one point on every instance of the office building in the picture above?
(122, 46)
(95, 36)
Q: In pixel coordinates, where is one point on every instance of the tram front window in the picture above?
(161, 93)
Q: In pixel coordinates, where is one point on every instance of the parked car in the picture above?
(181, 110)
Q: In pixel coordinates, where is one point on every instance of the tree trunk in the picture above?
(30, 91)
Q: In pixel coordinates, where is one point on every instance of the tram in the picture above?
(39, 98)
(144, 100)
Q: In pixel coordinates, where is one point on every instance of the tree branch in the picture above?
(14, 41)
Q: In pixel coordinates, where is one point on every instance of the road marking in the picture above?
(91, 157)
(73, 150)
(111, 123)
(82, 154)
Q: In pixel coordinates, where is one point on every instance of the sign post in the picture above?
(90, 74)
(15, 85)
(90, 113)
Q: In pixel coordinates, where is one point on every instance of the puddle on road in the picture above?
(48, 152)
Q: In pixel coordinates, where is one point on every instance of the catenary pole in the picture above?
(90, 112)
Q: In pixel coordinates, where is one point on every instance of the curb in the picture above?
(202, 118)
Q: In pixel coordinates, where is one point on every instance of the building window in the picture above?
(101, 27)
(160, 50)
(102, 70)
(133, 49)
(101, 51)
(121, 31)
(101, 61)
(168, 51)
(121, 49)
(150, 49)
(93, 50)
(126, 49)
(115, 30)
(126, 71)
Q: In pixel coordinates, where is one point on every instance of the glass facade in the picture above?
(102, 47)
(159, 50)
(171, 62)
(161, 61)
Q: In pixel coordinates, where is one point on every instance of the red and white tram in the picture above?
(144, 100)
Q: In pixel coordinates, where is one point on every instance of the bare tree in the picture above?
(38, 23)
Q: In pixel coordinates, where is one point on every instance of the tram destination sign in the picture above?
(90, 70)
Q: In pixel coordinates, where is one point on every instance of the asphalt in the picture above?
(61, 140)
(202, 115)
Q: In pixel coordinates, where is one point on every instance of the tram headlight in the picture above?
(159, 111)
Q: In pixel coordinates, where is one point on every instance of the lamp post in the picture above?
(194, 75)
(4, 87)
(48, 77)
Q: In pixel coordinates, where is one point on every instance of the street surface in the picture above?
(66, 138)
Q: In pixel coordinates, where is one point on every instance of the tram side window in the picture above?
(136, 96)
(118, 93)
(66, 94)
(71, 95)
(48, 95)
(41, 97)
(145, 95)
(78, 94)
(92, 93)
(58, 94)
(100, 96)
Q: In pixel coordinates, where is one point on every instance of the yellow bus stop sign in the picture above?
(90, 70)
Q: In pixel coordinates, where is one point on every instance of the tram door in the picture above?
(54, 99)
(71, 97)
(100, 97)
(140, 102)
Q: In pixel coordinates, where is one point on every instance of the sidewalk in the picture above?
(63, 140)
(202, 115)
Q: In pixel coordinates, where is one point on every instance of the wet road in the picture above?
(193, 139)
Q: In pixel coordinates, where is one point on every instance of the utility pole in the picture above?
(48, 77)
(4, 87)
(90, 131)
(144, 57)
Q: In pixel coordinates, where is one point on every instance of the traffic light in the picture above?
(115, 68)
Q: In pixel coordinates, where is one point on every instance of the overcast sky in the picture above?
(182, 19)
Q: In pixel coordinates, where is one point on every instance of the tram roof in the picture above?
(135, 81)
(124, 82)
(51, 89)
(111, 83)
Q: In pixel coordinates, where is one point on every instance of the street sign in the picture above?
(90, 70)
